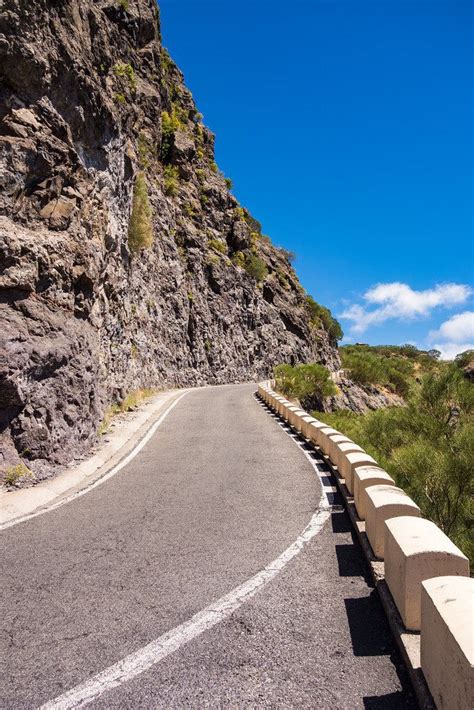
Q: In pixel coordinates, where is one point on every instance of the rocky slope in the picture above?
(125, 260)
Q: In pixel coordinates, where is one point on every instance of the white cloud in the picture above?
(400, 301)
(450, 350)
(457, 329)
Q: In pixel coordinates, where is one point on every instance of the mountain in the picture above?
(126, 262)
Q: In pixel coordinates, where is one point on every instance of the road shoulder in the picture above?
(117, 447)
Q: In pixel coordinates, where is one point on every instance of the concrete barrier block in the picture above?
(284, 409)
(313, 430)
(279, 402)
(305, 422)
(297, 420)
(365, 476)
(334, 440)
(289, 411)
(415, 550)
(384, 502)
(342, 449)
(349, 462)
(447, 641)
(322, 437)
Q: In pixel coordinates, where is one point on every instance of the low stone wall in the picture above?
(424, 570)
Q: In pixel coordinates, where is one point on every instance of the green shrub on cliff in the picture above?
(171, 175)
(172, 121)
(321, 317)
(255, 267)
(218, 245)
(304, 381)
(395, 367)
(127, 73)
(140, 229)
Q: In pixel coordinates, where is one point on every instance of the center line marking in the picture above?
(154, 652)
(143, 659)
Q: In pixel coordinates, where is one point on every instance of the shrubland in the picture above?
(427, 446)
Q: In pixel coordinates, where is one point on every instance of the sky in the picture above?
(346, 128)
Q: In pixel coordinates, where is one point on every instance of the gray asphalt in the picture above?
(218, 492)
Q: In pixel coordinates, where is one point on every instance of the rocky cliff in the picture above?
(125, 262)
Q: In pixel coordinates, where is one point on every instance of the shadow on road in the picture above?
(340, 522)
(368, 628)
(391, 701)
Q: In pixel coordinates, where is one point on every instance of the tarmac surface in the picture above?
(219, 492)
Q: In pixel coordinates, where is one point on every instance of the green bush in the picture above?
(239, 259)
(140, 229)
(217, 245)
(126, 72)
(321, 317)
(171, 179)
(428, 448)
(465, 358)
(304, 381)
(14, 474)
(228, 183)
(170, 123)
(255, 267)
(383, 365)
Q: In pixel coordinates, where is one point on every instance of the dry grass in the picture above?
(132, 400)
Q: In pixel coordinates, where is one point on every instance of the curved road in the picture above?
(217, 494)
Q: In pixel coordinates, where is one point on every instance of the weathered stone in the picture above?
(83, 318)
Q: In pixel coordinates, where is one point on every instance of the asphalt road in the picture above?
(218, 493)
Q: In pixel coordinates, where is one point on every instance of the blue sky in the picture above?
(346, 127)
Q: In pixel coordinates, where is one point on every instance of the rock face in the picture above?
(92, 108)
(358, 398)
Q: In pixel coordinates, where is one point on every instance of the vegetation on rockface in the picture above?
(171, 180)
(426, 446)
(15, 474)
(131, 401)
(126, 74)
(394, 367)
(218, 245)
(255, 267)
(170, 123)
(321, 317)
(145, 150)
(302, 381)
(140, 229)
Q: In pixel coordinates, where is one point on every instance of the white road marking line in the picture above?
(154, 652)
(146, 657)
(103, 478)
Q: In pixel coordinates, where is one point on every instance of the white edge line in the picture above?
(115, 469)
(154, 652)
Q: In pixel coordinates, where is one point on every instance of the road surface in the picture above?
(218, 493)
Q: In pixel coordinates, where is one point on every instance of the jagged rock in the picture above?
(83, 318)
(359, 398)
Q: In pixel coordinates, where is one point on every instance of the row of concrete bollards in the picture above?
(427, 575)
